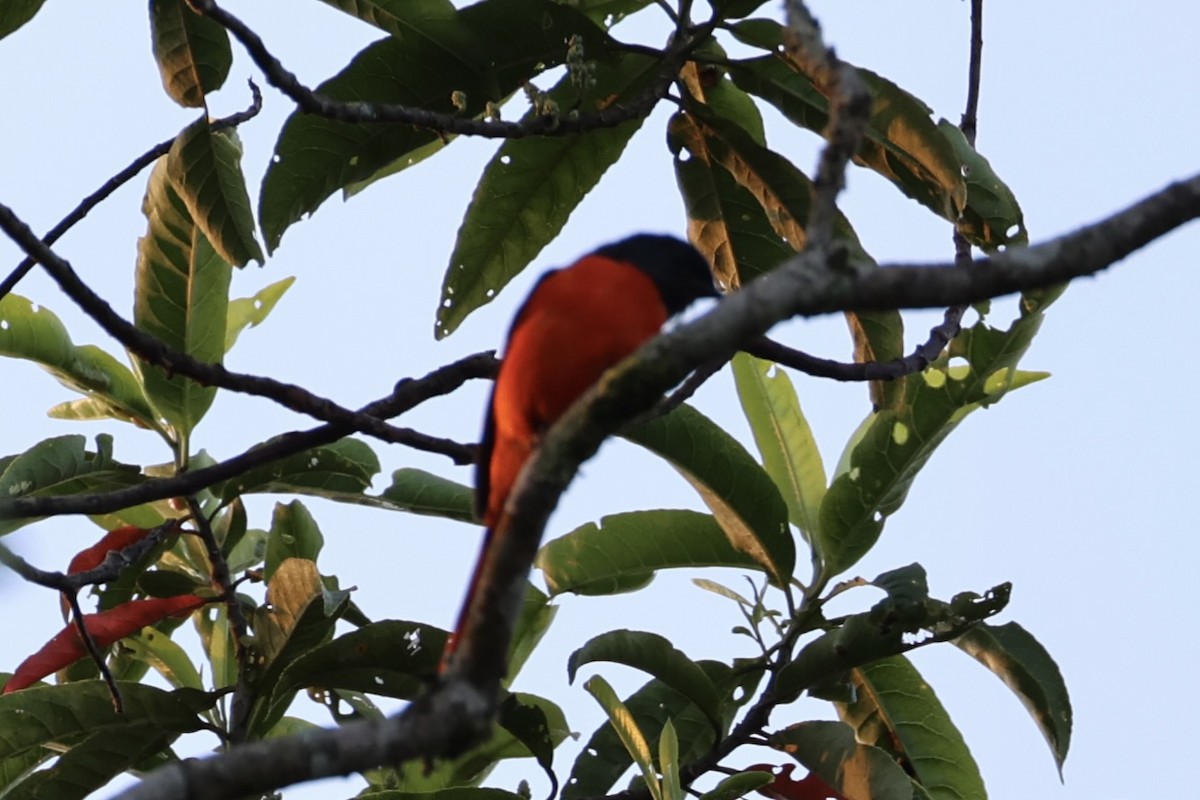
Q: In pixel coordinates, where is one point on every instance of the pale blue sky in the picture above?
(1074, 489)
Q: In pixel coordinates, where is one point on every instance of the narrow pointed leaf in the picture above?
(36, 334)
(992, 218)
(249, 312)
(668, 763)
(858, 771)
(784, 439)
(530, 188)
(622, 553)
(15, 13)
(737, 786)
(656, 656)
(167, 657)
(604, 759)
(59, 466)
(898, 712)
(205, 169)
(740, 494)
(508, 42)
(192, 51)
(627, 729)
(880, 463)
(181, 297)
(1026, 667)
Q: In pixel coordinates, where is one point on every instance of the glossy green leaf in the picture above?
(34, 333)
(1020, 660)
(656, 656)
(882, 461)
(604, 759)
(627, 730)
(668, 763)
(741, 495)
(181, 297)
(166, 656)
(343, 467)
(785, 441)
(898, 712)
(62, 465)
(420, 492)
(622, 553)
(205, 169)
(192, 51)
(294, 534)
(249, 312)
(493, 48)
(530, 188)
(992, 218)
(855, 770)
(15, 13)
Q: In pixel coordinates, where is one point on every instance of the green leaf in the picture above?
(15, 13)
(294, 534)
(623, 552)
(604, 759)
(344, 467)
(33, 333)
(455, 793)
(529, 725)
(530, 188)
(734, 9)
(855, 770)
(1026, 667)
(742, 497)
(532, 624)
(883, 460)
(655, 655)
(668, 763)
(192, 51)
(249, 312)
(433, 22)
(627, 729)
(992, 218)
(785, 441)
(62, 465)
(166, 656)
(740, 785)
(420, 492)
(610, 12)
(205, 168)
(897, 711)
(181, 297)
(508, 41)
(725, 221)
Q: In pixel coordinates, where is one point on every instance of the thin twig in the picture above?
(115, 182)
(89, 644)
(407, 394)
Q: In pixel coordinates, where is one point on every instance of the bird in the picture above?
(577, 323)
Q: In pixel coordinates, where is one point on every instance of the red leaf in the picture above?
(116, 539)
(106, 627)
(785, 787)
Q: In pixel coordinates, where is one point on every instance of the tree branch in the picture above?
(408, 394)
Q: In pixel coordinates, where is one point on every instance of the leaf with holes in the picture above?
(294, 534)
(897, 711)
(490, 51)
(883, 459)
(742, 497)
(530, 188)
(192, 51)
(249, 312)
(345, 467)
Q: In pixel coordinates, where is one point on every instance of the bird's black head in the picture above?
(677, 269)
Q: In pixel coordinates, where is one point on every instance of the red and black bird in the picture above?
(577, 323)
